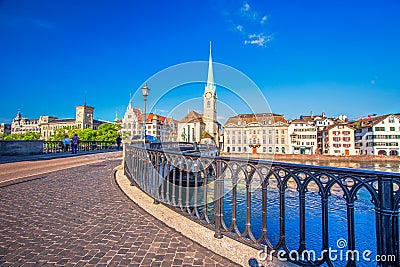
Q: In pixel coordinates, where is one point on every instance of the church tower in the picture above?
(210, 103)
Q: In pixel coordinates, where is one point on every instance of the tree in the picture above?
(108, 132)
(23, 136)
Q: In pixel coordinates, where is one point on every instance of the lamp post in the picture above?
(145, 92)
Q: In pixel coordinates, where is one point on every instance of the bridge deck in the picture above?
(78, 216)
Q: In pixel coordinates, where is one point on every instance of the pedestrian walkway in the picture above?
(79, 216)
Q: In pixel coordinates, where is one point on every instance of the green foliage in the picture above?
(108, 132)
(24, 136)
(105, 132)
(59, 134)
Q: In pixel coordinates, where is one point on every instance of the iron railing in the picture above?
(57, 146)
(196, 187)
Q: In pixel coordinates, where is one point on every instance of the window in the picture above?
(379, 128)
(392, 129)
(346, 132)
(277, 149)
(346, 139)
(391, 120)
(336, 139)
(208, 104)
(282, 140)
(239, 148)
(244, 149)
(283, 131)
(270, 149)
(264, 149)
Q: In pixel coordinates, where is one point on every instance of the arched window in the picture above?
(208, 104)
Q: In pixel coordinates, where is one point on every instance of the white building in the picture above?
(378, 135)
(160, 127)
(303, 137)
(47, 125)
(256, 133)
(5, 129)
(338, 140)
(192, 128)
(132, 123)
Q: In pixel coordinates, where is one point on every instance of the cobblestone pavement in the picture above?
(78, 216)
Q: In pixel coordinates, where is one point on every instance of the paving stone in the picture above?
(79, 217)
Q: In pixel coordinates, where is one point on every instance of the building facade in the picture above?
(47, 125)
(160, 127)
(338, 140)
(256, 133)
(303, 137)
(5, 129)
(378, 135)
(192, 128)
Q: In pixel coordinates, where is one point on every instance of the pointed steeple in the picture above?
(210, 78)
(130, 100)
(210, 87)
(116, 116)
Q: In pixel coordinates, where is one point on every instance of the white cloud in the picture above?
(245, 7)
(263, 19)
(258, 39)
(239, 28)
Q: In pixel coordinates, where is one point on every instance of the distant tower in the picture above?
(84, 116)
(210, 102)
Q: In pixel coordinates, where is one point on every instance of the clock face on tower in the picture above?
(208, 95)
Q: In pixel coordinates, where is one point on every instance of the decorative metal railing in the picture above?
(219, 193)
(57, 146)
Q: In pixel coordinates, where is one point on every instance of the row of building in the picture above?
(272, 133)
(47, 125)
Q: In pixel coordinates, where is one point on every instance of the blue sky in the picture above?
(340, 57)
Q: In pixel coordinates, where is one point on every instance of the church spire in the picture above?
(210, 78)
(130, 101)
(210, 87)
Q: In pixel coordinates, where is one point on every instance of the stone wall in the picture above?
(21, 147)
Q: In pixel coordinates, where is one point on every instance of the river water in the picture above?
(366, 165)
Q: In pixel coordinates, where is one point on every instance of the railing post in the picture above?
(156, 178)
(218, 194)
(387, 233)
